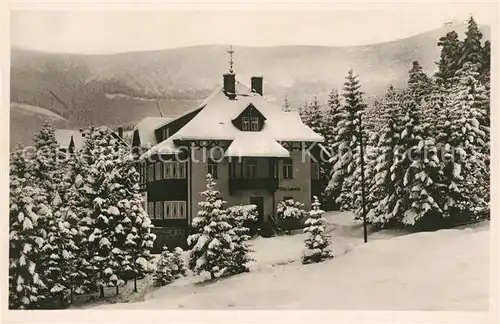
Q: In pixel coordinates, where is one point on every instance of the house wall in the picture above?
(300, 186)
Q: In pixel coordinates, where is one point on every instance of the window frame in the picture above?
(250, 166)
(158, 209)
(254, 123)
(245, 123)
(158, 171)
(211, 167)
(287, 168)
(172, 209)
(151, 209)
(182, 170)
(167, 170)
(165, 133)
(315, 171)
(150, 173)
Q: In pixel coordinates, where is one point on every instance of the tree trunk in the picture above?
(71, 295)
(117, 289)
(61, 298)
(135, 284)
(101, 291)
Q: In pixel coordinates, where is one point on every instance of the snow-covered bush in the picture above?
(317, 243)
(289, 213)
(170, 266)
(240, 216)
(211, 243)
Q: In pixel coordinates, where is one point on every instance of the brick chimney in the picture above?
(120, 132)
(230, 85)
(256, 85)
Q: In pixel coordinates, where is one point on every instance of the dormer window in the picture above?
(250, 119)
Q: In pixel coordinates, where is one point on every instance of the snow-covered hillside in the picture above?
(444, 270)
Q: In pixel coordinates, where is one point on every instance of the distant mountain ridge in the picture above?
(78, 87)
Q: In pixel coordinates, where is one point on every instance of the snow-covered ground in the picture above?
(36, 110)
(444, 270)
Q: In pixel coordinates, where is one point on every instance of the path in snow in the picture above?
(444, 270)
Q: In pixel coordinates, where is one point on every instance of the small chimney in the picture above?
(120, 132)
(230, 85)
(256, 85)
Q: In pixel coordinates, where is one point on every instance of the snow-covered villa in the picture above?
(257, 151)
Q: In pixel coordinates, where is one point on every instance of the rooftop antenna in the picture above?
(231, 62)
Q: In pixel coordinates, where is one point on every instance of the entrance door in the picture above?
(259, 202)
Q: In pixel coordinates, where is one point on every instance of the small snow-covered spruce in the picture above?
(312, 116)
(27, 235)
(46, 167)
(240, 217)
(317, 243)
(289, 213)
(170, 267)
(211, 243)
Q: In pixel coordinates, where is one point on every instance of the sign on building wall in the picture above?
(290, 188)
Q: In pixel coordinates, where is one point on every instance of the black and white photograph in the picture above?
(234, 159)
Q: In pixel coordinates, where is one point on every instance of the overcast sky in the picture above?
(120, 31)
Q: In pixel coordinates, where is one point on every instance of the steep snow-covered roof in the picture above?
(255, 144)
(214, 122)
(63, 138)
(147, 126)
(165, 147)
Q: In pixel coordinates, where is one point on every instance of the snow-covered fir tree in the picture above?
(133, 237)
(211, 243)
(170, 267)
(485, 69)
(332, 116)
(472, 50)
(103, 192)
(317, 242)
(465, 144)
(384, 189)
(422, 178)
(312, 115)
(47, 168)
(419, 84)
(240, 217)
(451, 49)
(27, 235)
(346, 144)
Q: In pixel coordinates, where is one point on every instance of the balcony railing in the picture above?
(270, 184)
